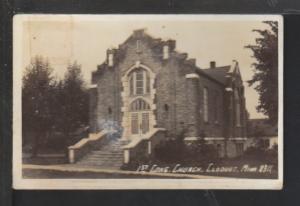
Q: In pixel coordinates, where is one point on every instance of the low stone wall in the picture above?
(143, 147)
(85, 145)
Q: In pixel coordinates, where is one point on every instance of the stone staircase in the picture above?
(109, 156)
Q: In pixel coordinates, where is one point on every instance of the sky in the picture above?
(64, 40)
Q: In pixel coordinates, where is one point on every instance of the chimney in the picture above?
(212, 64)
(139, 33)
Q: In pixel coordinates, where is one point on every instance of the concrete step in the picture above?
(104, 156)
(97, 159)
(101, 163)
(110, 160)
(116, 162)
(101, 166)
(102, 152)
(109, 156)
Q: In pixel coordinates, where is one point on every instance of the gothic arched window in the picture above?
(139, 82)
(237, 108)
(139, 105)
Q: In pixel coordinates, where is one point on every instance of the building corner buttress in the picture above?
(228, 116)
(93, 93)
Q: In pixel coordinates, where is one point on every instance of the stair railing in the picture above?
(85, 145)
(143, 146)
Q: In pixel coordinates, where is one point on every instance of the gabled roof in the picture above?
(218, 73)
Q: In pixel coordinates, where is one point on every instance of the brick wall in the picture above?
(172, 99)
(215, 125)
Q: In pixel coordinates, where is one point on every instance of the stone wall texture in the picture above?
(179, 100)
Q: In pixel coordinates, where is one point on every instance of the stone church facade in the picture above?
(145, 84)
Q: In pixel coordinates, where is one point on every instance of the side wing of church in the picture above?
(146, 84)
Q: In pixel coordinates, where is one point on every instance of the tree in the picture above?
(73, 100)
(36, 107)
(265, 78)
(52, 107)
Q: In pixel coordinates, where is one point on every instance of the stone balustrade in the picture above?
(85, 145)
(143, 146)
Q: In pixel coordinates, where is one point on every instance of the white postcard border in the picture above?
(219, 183)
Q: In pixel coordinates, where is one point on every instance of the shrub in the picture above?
(258, 153)
(174, 151)
(170, 151)
(201, 152)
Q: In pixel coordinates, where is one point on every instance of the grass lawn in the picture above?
(239, 167)
(51, 160)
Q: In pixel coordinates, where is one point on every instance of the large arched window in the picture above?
(139, 81)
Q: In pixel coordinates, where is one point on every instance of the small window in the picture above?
(110, 60)
(166, 107)
(239, 148)
(138, 46)
(166, 52)
(109, 110)
(216, 109)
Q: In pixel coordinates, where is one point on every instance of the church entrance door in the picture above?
(139, 123)
(139, 114)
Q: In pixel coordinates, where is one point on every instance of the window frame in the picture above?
(136, 83)
(216, 107)
(110, 59)
(138, 46)
(205, 105)
(139, 105)
(166, 51)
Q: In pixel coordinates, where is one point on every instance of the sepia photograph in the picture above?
(147, 101)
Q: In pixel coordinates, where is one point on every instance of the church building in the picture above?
(146, 84)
